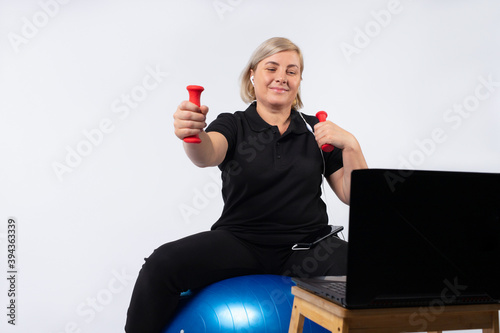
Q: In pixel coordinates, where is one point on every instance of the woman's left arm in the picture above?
(352, 156)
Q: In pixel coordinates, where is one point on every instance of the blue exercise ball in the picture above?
(245, 304)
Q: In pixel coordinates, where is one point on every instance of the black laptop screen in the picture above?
(429, 234)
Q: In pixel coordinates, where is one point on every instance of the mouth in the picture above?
(278, 90)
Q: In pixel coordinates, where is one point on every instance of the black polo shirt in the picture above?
(271, 183)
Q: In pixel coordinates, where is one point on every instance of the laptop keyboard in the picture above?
(336, 287)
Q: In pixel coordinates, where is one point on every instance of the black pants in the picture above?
(211, 256)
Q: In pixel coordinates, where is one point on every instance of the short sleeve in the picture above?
(333, 161)
(225, 124)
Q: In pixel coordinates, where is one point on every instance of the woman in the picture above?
(272, 169)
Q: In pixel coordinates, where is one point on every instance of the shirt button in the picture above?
(279, 156)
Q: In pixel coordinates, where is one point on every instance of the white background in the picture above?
(390, 72)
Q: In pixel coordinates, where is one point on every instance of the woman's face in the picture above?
(277, 79)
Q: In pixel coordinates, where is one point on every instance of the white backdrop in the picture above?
(94, 176)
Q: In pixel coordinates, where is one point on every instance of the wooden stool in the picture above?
(392, 320)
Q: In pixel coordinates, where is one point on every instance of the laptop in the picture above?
(418, 238)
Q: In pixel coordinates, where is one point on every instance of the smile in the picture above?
(279, 90)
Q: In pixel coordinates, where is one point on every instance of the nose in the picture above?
(281, 78)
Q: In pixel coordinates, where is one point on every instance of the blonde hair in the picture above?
(266, 49)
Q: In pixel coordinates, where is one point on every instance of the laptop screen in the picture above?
(415, 234)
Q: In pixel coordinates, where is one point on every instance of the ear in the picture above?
(252, 78)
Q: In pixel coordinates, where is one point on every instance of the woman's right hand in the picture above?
(189, 119)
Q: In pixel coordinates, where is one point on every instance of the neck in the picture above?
(279, 117)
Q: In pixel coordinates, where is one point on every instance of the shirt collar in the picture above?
(257, 124)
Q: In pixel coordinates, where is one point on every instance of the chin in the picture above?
(280, 102)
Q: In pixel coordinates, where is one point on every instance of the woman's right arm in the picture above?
(190, 119)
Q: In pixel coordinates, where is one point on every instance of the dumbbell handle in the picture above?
(194, 97)
(321, 115)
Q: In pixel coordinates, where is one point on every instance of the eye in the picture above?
(291, 72)
(271, 69)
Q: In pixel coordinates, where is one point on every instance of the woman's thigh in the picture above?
(201, 259)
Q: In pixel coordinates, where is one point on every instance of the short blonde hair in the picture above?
(266, 49)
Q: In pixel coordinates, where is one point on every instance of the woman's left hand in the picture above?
(327, 132)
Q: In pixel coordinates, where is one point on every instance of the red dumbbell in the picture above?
(321, 115)
(194, 97)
